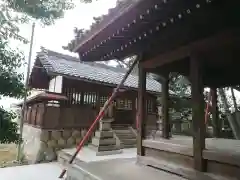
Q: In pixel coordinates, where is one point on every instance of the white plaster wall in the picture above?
(52, 85)
(55, 85)
(58, 84)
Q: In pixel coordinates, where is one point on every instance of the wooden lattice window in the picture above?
(103, 99)
(129, 104)
(150, 108)
(76, 96)
(90, 98)
(124, 104)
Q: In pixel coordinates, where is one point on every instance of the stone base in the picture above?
(42, 145)
(104, 142)
(110, 150)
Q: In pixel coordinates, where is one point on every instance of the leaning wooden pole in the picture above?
(231, 120)
(100, 115)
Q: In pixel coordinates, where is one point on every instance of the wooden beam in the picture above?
(165, 107)
(199, 129)
(141, 110)
(221, 39)
(169, 57)
(215, 113)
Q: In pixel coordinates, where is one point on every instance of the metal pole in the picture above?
(25, 95)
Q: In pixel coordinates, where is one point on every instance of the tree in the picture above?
(8, 129)
(47, 11)
(12, 14)
(10, 85)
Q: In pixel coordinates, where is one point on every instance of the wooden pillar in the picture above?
(45, 107)
(215, 114)
(82, 98)
(36, 113)
(134, 111)
(141, 110)
(199, 129)
(165, 108)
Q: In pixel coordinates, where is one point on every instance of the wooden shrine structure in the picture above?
(198, 39)
(87, 86)
(73, 93)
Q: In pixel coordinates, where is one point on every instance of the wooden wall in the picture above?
(53, 116)
(95, 95)
(84, 102)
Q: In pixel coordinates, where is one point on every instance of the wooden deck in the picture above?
(222, 155)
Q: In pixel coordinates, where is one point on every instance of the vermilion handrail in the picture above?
(208, 104)
(100, 115)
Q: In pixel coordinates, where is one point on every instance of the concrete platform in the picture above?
(89, 155)
(46, 171)
(117, 169)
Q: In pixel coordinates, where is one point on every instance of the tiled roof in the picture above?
(62, 64)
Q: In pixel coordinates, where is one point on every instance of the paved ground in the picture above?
(88, 155)
(48, 171)
(118, 169)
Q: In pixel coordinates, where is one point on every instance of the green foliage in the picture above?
(45, 10)
(10, 80)
(12, 14)
(8, 128)
(9, 22)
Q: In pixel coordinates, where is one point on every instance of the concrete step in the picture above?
(122, 131)
(108, 141)
(64, 157)
(104, 134)
(128, 141)
(125, 146)
(103, 148)
(125, 136)
(121, 125)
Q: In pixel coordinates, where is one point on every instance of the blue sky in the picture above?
(55, 36)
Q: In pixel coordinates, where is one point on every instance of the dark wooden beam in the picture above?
(219, 40)
(168, 57)
(165, 107)
(141, 110)
(199, 130)
(215, 114)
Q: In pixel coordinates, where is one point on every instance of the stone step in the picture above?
(122, 131)
(99, 141)
(129, 146)
(125, 136)
(121, 125)
(103, 148)
(104, 134)
(129, 141)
